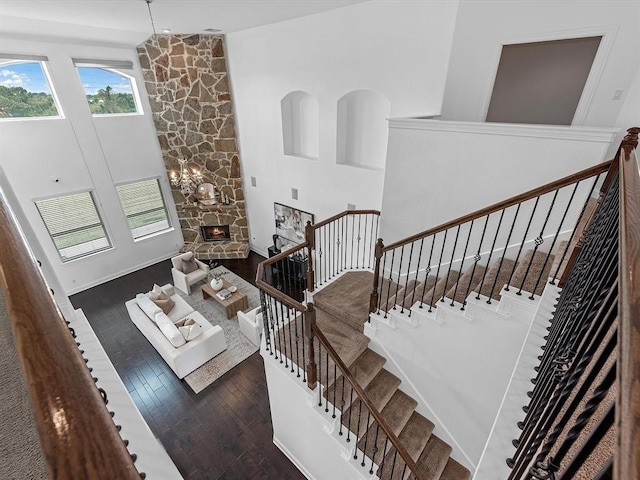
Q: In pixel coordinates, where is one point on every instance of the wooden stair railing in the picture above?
(492, 233)
(627, 456)
(78, 436)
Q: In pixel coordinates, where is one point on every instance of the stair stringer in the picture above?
(452, 361)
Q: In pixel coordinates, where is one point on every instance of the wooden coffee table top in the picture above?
(237, 301)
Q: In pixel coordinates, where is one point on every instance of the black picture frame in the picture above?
(291, 222)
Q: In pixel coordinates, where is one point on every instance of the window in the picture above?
(25, 91)
(108, 91)
(144, 207)
(74, 225)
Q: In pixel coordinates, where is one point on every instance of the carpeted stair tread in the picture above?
(468, 281)
(397, 297)
(498, 274)
(414, 436)
(364, 369)
(454, 471)
(443, 285)
(396, 413)
(434, 458)
(539, 264)
(348, 298)
(420, 288)
(379, 391)
(348, 343)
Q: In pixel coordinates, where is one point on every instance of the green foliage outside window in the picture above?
(18, 102)
(106, 101)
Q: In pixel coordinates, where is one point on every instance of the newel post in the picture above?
(373, 301)
(310, 236)
(312, 369)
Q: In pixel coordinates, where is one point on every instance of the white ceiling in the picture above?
(127, 21)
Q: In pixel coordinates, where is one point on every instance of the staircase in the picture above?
(343, 306)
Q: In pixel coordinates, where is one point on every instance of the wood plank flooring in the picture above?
(222, 433)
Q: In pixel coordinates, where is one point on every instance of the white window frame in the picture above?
(115, 67)
(83, 252)
(7, 59)
(144, 236)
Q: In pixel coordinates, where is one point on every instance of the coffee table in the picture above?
(237, 301)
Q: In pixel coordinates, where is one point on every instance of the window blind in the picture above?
(144, 207)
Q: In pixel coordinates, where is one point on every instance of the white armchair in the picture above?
(183, 281)
(250, 324)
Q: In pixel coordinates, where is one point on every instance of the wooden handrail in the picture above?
(627, 455)
(411, 464)
(496, 207)
(77, 434)
(344, 214)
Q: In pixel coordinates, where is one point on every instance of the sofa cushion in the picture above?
(147, 306)
(165, 303)
(157, 293)
(181, 310)
(169, 330)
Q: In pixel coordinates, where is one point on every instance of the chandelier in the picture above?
(186, 180)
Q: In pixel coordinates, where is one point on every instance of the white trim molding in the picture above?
(561, 132)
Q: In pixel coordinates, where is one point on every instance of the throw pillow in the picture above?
(166, 304)
(190, 332)
(185, 322)
(157, 292)
(189, 266)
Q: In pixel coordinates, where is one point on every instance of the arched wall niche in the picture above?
(362, 129)
(300, 125)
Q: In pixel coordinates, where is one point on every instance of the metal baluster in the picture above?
(453, 252)
(383, 262)
(350, 412)
(393, 254)
(358, 238)
(398, 282)
(493, 244)
(341, 405)
(304, 356)
(573, 232)
(506, 246)
(364, 249)
(335, 376)
(355, 456)
(524, 239)
(374, 450)
(320, 371)
(366, 438)
(444, 241)
(427, 270)
(415, 286)
(353, 236)
(290, 338)
(326, 380)
(464, 254)
(406, 282)
(538, 241)
(477, 256)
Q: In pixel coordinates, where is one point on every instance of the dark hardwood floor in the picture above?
(225, 431)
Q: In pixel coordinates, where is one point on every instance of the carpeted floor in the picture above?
(239, 347)
(21, 456)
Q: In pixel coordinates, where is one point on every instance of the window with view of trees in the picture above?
(144, 207)
(107, 91)
(74, 225)
(24, 90)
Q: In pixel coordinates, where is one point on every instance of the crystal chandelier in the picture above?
(186, 180)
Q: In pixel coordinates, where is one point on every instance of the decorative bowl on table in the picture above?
(232, 288)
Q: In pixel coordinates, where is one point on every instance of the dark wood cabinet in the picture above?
(291, 269)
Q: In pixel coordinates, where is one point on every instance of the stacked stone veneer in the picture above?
(187, 83)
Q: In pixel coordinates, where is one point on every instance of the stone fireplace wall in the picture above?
(187, 83)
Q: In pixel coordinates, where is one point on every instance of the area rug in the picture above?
(239, 347)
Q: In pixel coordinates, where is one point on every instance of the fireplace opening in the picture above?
(215, 233)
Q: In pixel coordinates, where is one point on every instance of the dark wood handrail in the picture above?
(77, 434)
(344, 214)
(496, 207)
(627, 455)
(411, 464)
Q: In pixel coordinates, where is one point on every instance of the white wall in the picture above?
(460, 167)
(85, 153)
(482, 27)
(397, 49)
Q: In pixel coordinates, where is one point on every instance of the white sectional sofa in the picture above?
(181, 355)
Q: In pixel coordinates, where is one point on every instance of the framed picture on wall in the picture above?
(291, 222)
